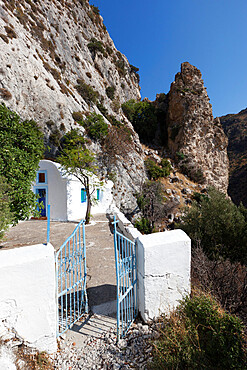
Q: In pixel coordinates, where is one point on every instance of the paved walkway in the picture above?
(101, 279)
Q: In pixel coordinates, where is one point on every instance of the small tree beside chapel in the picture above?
(79, 161)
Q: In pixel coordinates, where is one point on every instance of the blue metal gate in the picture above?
(125, 257)
(71, 275)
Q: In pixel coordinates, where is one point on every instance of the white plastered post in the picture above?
(27, 300)
(163, 271)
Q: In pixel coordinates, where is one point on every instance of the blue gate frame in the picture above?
(71, 273)
(126, 273)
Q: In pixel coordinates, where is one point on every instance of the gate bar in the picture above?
(48, 224)
(117, 275)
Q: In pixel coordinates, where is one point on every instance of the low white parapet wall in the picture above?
(163, 266)
(163, 271)
(124, 225)
(27, 298)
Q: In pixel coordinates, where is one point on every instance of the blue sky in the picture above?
(158, 35)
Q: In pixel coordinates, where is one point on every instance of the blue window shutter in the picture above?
(98, 194)
(83, 196)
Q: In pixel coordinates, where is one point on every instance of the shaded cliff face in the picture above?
(57, 58)
(193, 134)
(235, 127)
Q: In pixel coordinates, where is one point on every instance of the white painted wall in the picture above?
(163, 266)
(27, 300)
(77, 210)
(57, 190)
(163, 271)
(124, 225)
(64, 194)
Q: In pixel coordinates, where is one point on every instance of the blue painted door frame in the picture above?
(42, 191)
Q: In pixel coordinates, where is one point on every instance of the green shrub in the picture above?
(180, 156)
(143, 225)
(120, 64)
(6, 216)
(55, 137)
(115, 105)
(109, 50)
(197, 176)
(87, 92)
(219, 225)
(95, 9)
(151, 202)
(200, 335)
(102, 109)
(21, 149)
(96, 45)
(154, 171)
(129, 109)
(191, 169)
(110, 92)
(166, 167)
(77, 116)
(198, 197)
(96, 127)
(143, 117)
(112, 176)
(135, 70)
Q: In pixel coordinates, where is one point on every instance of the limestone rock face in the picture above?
(193, 133)
(235, 127)
(48, 48)
(45, 50)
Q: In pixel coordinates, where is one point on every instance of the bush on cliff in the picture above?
(95, 126)
(219, 225)
(200, 335)
(143, 117)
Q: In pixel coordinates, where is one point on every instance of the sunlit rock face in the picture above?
(193, 133)
(48, 49)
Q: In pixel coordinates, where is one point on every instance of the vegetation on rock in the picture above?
(154, 206)
(155, 171)
(235, 127)
(135, 70)
(95, 45)
(110, 92)
(87, 92)
(95, 126)
(143, 117)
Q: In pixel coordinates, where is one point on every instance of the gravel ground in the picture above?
(133, 352)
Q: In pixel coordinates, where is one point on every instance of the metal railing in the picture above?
(126, 274)
(71, 276)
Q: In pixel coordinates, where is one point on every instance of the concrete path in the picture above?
(101, 278)
(34, 232)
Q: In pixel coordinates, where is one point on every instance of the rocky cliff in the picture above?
(194, 136)
(57, 58)
(58, 62)
(235, 127)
